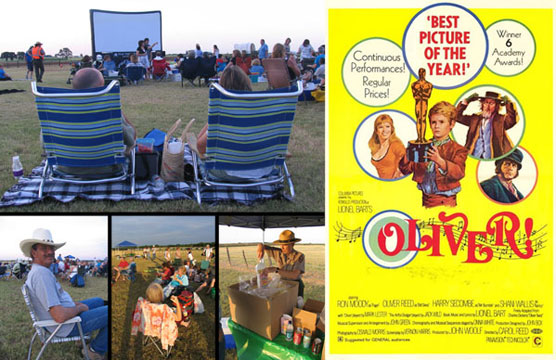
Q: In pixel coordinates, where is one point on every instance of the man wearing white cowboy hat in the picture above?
(487, 137)
(290, 263)
(52, 302)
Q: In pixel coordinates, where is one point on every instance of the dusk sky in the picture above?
(162, 230)
(86, 237)
(65, 23)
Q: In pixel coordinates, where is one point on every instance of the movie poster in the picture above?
(440, 135)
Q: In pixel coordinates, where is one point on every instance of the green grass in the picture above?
(157, 105)
(16, 328)
(194, 342)
(230, 270)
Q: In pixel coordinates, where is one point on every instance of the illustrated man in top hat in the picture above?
(290, 263)
(487, 137)
(51, 302)
(500, 187)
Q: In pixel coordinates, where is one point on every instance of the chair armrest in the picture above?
(44, 323)
(192, 141)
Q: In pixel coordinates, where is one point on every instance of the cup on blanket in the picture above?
(175, 147)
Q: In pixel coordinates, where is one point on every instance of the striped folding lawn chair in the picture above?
(83, 129)
(247, 138)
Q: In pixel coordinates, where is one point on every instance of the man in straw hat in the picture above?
(487, 137)
(500, 187)
(52, 302)
(290, 263)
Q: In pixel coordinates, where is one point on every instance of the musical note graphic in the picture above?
(345, 234)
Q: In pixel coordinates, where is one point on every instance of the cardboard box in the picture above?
(259, 315)
(307, 317)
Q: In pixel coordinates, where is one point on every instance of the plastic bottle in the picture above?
(289, 332)
(259, 270)
(158, 185)
(17, 168)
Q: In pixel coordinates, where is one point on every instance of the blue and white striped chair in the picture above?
(83, 129)
(247, 138)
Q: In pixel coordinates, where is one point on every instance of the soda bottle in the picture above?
(17, 168)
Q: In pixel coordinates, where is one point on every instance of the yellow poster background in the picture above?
(353, 276)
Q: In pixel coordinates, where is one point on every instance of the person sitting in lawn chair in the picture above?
(51, 302)
(127, 269)
(160, 67)
(91, 78)
(19, 270)
(166, 274)
(209, 281)
(178, 279)
(4, 273)
(156, 319)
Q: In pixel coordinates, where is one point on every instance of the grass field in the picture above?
(229, 273)
(195, 342)
(157, 105)
(16, 328)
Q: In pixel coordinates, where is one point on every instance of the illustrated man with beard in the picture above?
(500, 187)
(487, 137)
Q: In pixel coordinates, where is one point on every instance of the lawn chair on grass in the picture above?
(83, 129)
(135, 74)
(45, 335)
(156, 322)
(247, 138)
(189, 70)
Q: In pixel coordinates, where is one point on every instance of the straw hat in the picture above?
(286, 237)
(40, 236)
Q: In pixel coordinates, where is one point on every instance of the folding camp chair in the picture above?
(46, 336)
(157, 323)
(207, 69)
(277, 73)
(135, 74)
(247, 138)
(83, 129)
(189, 70)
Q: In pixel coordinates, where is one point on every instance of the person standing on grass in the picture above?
(52, 302)
(38, 57)
(207, 252)
(263, 50)
(29, 62)
(290, 263)
(167, 255)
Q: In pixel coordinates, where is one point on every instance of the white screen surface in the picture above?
(120, 31)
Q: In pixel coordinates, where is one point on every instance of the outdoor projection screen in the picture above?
(113, 31)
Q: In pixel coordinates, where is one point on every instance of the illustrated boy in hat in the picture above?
(290, 263)
(487, 137)
(51, 302)
(439, 178)
(500, 187)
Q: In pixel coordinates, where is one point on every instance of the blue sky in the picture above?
(162, 230)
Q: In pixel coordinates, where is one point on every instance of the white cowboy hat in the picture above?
(40, 236)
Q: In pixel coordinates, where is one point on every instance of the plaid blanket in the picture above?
(26, 191)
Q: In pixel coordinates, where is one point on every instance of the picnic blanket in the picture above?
(26, 191)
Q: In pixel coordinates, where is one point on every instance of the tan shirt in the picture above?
(293, 261)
